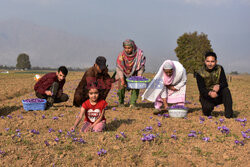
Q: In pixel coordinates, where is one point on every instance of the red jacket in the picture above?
(46, 82)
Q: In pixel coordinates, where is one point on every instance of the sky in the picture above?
(154, 25)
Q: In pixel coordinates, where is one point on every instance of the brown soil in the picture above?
(30, 149)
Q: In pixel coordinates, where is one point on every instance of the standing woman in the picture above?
(130, 62)
(168, 86)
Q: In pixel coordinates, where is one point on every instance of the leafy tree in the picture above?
(191, 50)
(23, 61)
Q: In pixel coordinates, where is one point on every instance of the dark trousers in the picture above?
(224, 97)
(56, 97)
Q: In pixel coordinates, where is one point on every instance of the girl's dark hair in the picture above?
(93, 87)
(63, 69)
(211, 54)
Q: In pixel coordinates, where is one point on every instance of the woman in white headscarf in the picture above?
(168, 86)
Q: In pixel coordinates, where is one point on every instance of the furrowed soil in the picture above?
(20, 147)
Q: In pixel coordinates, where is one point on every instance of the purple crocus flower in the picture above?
(81, 141)
(117, 136)
(43, 116)
(60, 131)
(34, 131)
(210, 117)
(192, 131)
(18, 134)
(9, 116)
(248, 130)
(2, 152)
(75, 139)
(241, 120)
(18, 130)
(174, 137)
(148, 137)
(243, 125)
(57, 139)
(7, 129)
(46, 142)
(202, 119)
(102, 152)
(55, 118)
(159, 124)
(165, 115)
(192, 135)
(51, 130)
(114, 109)
(244, 135)
(150, 117)
(221, 120)
(224, 129)
(206, 139)
(188, 102)
(242, 143)
(236, 141)
(2, 117)
(123, 134)
(148, 128)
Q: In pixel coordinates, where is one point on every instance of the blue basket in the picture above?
(34, 106)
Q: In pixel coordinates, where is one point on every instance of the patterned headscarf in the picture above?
(130, 63)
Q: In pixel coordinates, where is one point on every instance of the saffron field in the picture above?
(131, 137)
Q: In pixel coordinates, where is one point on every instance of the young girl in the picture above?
(93, 109)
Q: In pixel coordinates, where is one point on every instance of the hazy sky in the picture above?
(154, 25)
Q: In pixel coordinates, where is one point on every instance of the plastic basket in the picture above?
(137, 84)
(177, 113)
(32, 106)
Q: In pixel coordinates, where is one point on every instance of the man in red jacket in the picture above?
(50, 87)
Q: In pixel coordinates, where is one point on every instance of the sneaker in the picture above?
(50, 102)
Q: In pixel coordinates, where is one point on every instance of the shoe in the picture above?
(50, 102)
(157, 111)
(134, 107)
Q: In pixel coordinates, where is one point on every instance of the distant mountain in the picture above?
(48, 47)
